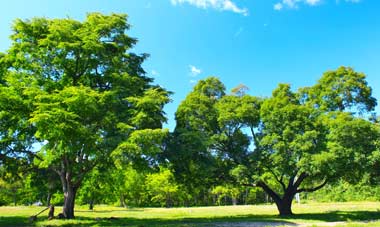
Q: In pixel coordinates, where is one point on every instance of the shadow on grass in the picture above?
(332, 216)
(15, 221)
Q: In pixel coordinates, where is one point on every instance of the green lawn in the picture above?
(312, 214)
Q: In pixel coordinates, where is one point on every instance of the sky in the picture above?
(258, 43)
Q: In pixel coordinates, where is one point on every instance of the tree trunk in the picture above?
(234, 201)
(122, 201)
(91, 205)
(69, 192)
(68, 206)
(168, 201)
(284, 205)
(48, 199)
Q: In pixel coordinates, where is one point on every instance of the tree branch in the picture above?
(268, 190)
(254, 137)
(313, 189)
(279, 180)
(299, 180)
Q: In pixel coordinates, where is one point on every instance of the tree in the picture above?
(162, 187)
(78, 89)
(289, 143)
(189, 147)
(309, 138)
(128, 186)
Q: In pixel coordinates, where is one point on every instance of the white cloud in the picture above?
(294, 4)
(194, 71)
(222, 5)
(312, 2)
(278, 6)
(193, 81)
(290, 3)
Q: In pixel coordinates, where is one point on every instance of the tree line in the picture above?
(79, 116)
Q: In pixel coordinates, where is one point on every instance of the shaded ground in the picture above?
(325, 219)
(239, 216)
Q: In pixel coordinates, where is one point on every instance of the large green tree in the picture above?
(291, 142)
(76, 88)
(311, 137)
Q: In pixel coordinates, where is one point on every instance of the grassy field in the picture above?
(312, 214)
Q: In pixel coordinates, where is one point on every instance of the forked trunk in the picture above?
(69, 192)
(68, 206)
(284, 205)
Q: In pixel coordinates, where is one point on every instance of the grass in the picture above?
(312, 214)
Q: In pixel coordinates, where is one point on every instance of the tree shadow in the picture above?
(292, 220)
(15, 221)
(333, 216)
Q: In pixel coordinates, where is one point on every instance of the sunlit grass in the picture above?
(307, 214)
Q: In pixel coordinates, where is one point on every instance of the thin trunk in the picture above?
(234, 201)
(48, 199)
(122, 201)
(246, 197)
(168, 201)
(14, 198)
(91, 205)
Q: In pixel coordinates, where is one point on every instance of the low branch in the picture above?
(313, 189)
(269, 191)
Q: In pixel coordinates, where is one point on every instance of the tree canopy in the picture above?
(76, 88)
(291, 142)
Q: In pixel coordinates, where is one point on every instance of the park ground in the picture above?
(310, 214)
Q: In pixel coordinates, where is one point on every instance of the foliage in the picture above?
(288, 143)
(76, 87)
(162, 187)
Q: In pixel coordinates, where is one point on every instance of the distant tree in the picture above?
(162, 187)
(128, 186)
(224, 192)
(76, 87)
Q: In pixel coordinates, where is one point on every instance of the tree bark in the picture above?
(284, 205)
(68, 206)
(69, 193)
(122, 201)
(91, 205)
(48, 199)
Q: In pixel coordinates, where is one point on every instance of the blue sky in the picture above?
(259, 43)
